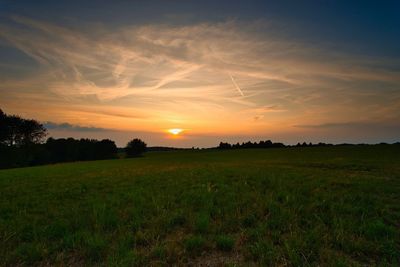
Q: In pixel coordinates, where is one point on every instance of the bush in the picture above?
(135, 148)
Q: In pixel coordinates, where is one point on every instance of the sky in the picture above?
(232, 71)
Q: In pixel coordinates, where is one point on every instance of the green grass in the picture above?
(225, 243)
(328, 206)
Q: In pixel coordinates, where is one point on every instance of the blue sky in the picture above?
(309, 70)
(373, 25)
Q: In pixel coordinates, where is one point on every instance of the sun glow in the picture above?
(175, 131)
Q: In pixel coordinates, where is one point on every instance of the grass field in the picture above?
(326, 206)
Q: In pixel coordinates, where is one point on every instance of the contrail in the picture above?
(236, 85)
(230, 75)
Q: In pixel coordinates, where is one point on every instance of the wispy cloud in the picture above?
(354, 125)
(70, 127)
(147, 77)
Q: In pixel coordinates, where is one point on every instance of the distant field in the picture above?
(326, 206)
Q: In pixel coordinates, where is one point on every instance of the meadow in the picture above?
(311, 206)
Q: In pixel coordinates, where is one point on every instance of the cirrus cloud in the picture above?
(240, 77)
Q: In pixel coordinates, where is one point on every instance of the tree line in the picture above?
(261, 144)
(270, 144)
(267, 144)
(22, 143)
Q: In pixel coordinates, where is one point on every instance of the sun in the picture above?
(175, 131)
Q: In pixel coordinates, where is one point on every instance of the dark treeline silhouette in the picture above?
(56, 150)
(261, 144)
(304, 144)
(63, 150)
(22, 144)
(270, 144)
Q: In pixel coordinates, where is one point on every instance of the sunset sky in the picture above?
(289, 71)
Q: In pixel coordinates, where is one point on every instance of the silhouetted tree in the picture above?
(16, 131)
(223, 145)
(3, 127)
(135, 148)
(32, 132)
(106, 148)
